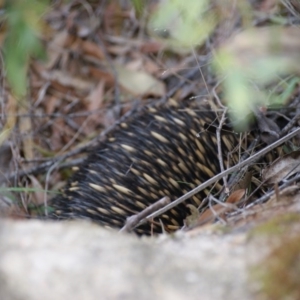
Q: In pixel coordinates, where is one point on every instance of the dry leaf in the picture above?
(55, 48)
(244, 183)
(139, 83)
(210, 214)
(92, 49)
(236, 196)
(94, 101)
(50, 104)
(95, 97)
(283, 167)
(151, 66)
(102, 76)
(219, 209)
(151, 47)
(66, 80)
(39, 194)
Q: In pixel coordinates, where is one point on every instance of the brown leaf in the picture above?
(38, 195)
(66, 80)
(139, 83)
(236, 196)
(151, 47)
(151, 67)
(92, 49)
(56, 46)
(283, 167)
(94, 101)
(50, 104)
(209, 215)
(220, 209)
(102, 75)
(95, 97)
(244, 183)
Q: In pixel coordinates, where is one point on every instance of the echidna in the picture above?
(163, 151)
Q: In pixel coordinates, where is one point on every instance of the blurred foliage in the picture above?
(23, 25)
(247, 65)
(254, 60)
(138, 6)
(184, 25)
(288, 87)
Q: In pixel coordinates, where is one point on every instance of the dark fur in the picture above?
(111, 165)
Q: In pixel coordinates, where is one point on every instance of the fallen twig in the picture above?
(219, 176)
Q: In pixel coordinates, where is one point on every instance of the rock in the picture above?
(77, 260)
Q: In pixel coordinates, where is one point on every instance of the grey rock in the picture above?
(77, 260)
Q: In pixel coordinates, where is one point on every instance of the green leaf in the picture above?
(24, 24)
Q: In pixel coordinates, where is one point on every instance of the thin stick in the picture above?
(219, 142)
(219, 176)
(290, 125)
(132, 221)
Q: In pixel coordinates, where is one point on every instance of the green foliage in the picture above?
(288, 87)
(23, 20)
(138, 5)
(257, 58)
(186, 24)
